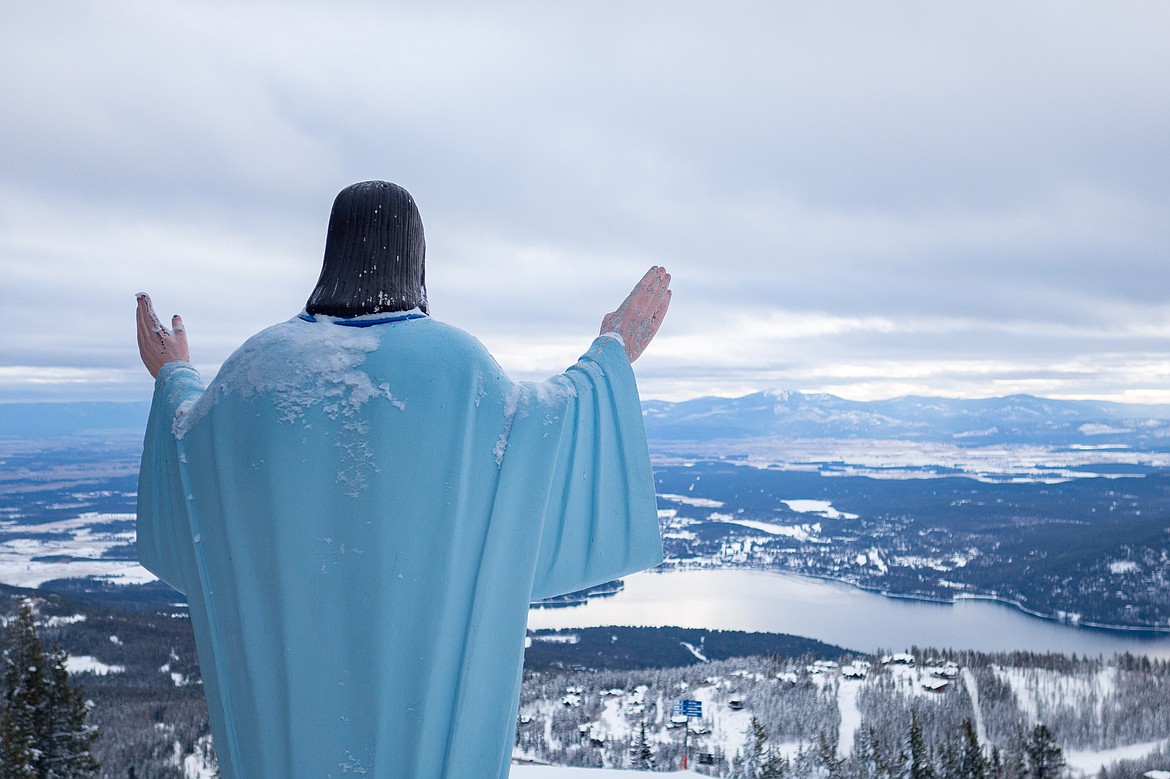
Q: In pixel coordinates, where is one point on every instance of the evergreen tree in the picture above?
(641, 753)
(865, 756)
(755, 750)
(758, 760)
(806, 763)
(920, 765)
(1015, 763)
(774, 767)
(893, 763)
(1043, 757)
(997, 769)
(25, 698)
(876, 759)
(43, 734)
(68, 738)
(971, 762)
(759, 737)
(834, 766)
(948, 762)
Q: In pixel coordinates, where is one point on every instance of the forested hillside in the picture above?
(588, 696)
(958, 715)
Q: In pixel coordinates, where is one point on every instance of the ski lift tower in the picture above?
(687, 708)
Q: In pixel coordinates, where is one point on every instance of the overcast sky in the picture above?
(868, 199)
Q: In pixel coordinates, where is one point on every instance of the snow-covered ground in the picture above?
(1037, 688)
(728, 726)
(84, 664)
(199, 764)
(1081, 764)
(821, 507)
(977, 713)
(892, 459)
(687, 500)
(73, 549)
(1088, 763)
(622, 710)
(799, 532)
(847, 690)
(560, 772)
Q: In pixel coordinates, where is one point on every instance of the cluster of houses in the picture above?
(933, 675)
(936, 676)
(939, 674)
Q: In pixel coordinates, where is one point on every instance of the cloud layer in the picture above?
(968, 199)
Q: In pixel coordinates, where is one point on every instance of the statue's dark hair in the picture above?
(374, 254)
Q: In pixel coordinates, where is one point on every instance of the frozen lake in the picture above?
(763, 601)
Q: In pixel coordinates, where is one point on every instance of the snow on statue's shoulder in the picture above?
(526, 398)
(551, 392)
(299, 365)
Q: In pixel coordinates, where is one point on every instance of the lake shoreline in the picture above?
(1150, 630)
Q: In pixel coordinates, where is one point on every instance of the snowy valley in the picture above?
(1069, 520)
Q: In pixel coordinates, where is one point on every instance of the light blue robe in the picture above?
(359, 517)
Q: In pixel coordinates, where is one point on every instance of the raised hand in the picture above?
(637, 319)
(156, 344)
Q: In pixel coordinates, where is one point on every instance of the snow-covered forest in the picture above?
(868, 717)
(813, 713)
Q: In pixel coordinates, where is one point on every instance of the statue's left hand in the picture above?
(157, 345)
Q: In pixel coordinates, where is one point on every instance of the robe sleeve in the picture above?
(164, 537)
(600, 519)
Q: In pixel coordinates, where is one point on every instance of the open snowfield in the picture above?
(822, 507)
(799, 532)
(69, 549)
(1037, 689)
(894, 459)
(847, 690)
(78, 664)
(1088, 763)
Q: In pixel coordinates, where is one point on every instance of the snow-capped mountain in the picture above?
(1011, 419)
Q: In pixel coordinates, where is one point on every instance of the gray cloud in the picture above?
(981, 188)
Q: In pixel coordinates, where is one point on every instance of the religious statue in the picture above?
(361, 505)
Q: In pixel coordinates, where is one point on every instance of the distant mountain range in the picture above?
(1013, 419)
(1017, 419)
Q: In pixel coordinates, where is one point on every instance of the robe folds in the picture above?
(359, 517)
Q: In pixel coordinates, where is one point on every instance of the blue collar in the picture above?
(384, 320)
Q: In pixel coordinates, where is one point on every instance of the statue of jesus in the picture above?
(361, 505)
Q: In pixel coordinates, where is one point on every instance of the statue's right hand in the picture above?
(156, 344)
(637, 319)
